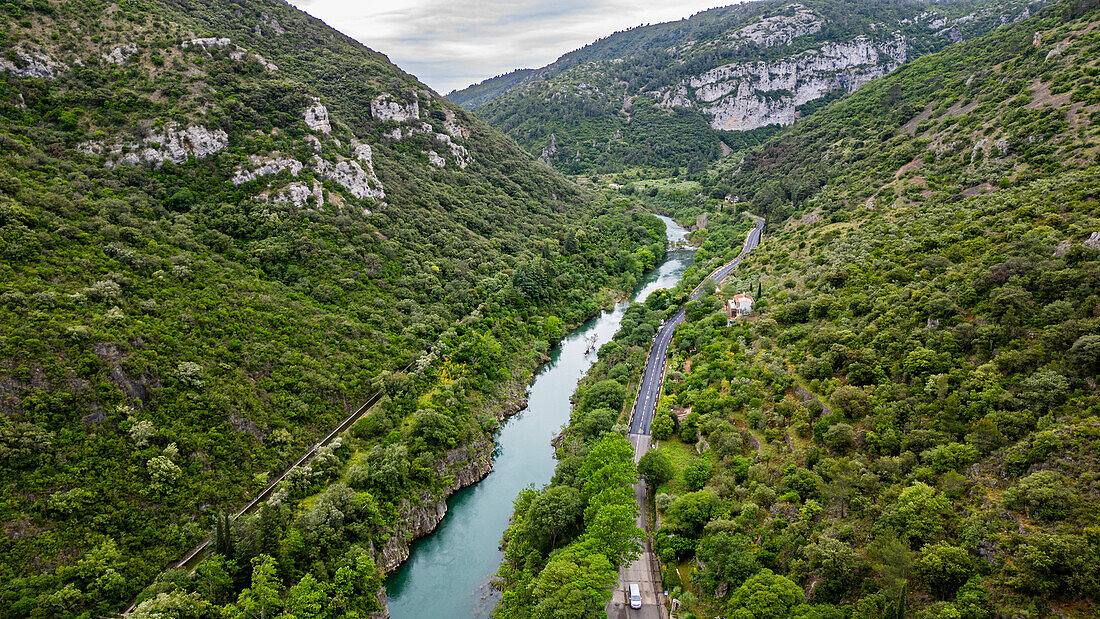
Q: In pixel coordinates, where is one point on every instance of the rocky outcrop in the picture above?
(32, 63)
(119, 54)
(550, 151)
(463, 466)
(436, 160)
(385, 107)
(316, 117)
(351, 176)
(298, 195)
(451, 126)
(1093, 242)
(172, 144)
(743, 96)
(780, 29)
(458, 151)
(207, 43)
(265, 166)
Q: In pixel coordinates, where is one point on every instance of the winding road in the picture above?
(644, 570)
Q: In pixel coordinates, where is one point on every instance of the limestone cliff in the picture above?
(743, 96)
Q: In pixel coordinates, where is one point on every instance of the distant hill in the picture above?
(665, 96)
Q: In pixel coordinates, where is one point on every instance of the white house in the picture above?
(740, 306)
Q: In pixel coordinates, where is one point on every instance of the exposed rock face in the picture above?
(119, 54)
(436, 160)
(207, 43)
(451, 126)
(32, 63)
(298, 195)
(272, 23)
(351, 176)
(317, 117)
(781, 29)
(174, 144)
(1093, 242)
(384, 107)
(266, 166)
(461, 155)
(465, 466)
(550, 151)
(743, 96)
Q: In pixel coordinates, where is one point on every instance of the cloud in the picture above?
(450, 44)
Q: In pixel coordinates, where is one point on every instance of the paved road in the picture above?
(643, 571)
(650, 388)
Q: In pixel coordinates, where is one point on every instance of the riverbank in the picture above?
(449, 571)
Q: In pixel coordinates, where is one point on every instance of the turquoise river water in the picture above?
(448, 572)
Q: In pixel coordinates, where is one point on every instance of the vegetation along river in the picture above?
(448, 572)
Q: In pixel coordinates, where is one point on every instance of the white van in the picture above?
(635, 596)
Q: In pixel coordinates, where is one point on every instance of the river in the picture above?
(448, 572)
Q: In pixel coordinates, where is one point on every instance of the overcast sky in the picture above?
(451, 44)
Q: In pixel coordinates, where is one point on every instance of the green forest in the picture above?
(226, 226)
(176, 330)
(907, 424)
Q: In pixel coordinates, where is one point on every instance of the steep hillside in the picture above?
(908, 423)
(225, 225)
(665, 96)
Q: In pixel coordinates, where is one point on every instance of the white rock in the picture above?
(312, 139)
(451, 126)
(780, 29)
(265, 166)
(33, 63)
(743, 96)
(384, 107)
(317, 117)
(93, 148)
(173, 144)
(268, 66)
(119, 54)
(1093, 242)
(461, 155)
(207, 43)
(298, 195)
(270, 22)
(435, 159)
(351, 176)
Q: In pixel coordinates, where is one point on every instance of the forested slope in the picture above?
(908, 424)
(223, 226)
(664, 97)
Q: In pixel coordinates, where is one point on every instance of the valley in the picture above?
(784, 309)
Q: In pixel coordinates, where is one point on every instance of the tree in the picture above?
(765, 595)
(263, 599)
(663, 427)
(728, 558)
(307, 598)
(696, 474)
(839, 437)
(655, 468)
(552, 514)
(851, 401)
(945, 567)
(921, 513)
(575, 583)
(1085, 354)
(604, 394)
(614, 534)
